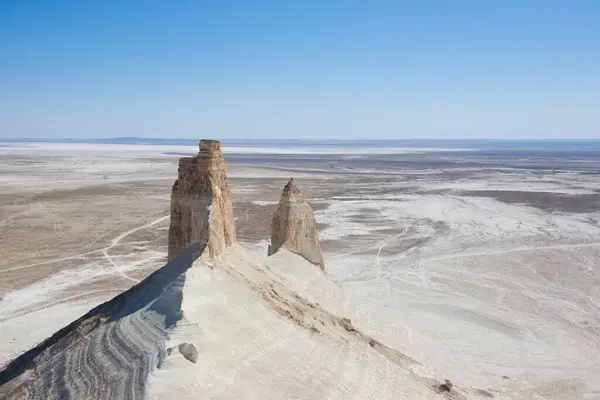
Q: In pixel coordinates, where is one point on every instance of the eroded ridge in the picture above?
(109, 352)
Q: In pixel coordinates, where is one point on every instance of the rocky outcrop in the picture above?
(201, 196)
(109, 352)
(294, 226)
(215, 317)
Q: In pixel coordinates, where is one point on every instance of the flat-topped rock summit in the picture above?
(201, 196)
(294, 226)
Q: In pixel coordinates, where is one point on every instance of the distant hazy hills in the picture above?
(481, 144)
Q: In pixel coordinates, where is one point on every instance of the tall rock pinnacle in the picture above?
(201, 210)
(294, 226)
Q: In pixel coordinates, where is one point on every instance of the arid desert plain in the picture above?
(483, 265)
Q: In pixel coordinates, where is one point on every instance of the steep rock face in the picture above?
(201, 196)
(294, 226)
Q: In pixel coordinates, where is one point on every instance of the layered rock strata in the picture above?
(109, 352)
(294, 226)
(201, 196)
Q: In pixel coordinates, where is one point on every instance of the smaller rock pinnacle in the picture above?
(294, 226)
(290, 188)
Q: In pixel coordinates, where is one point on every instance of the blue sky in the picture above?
(300, 69)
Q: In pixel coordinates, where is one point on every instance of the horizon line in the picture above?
(121, 138)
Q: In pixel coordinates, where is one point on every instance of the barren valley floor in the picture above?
(482, 266)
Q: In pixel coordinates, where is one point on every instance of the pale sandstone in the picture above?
(294, 226)
(201, 196)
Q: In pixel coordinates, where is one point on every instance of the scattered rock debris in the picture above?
(446, 386)
(346, 323)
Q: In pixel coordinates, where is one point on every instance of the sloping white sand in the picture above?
(259, 337)
(109, 352)
(502, 297)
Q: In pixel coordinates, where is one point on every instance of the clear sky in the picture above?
(300, 69)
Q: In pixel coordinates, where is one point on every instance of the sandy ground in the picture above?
(484, 269)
